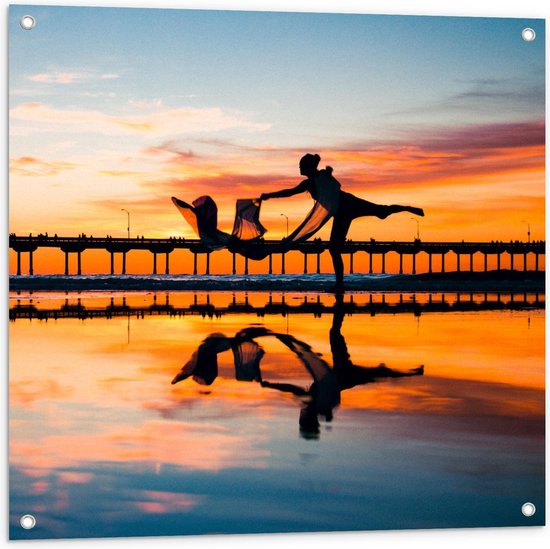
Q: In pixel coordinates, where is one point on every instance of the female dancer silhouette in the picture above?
(349, 208)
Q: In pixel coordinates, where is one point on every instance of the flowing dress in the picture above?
(246, 236)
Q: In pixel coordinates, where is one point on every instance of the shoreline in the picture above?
(492, 281)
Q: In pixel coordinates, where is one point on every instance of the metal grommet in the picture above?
(28, 522)
(27, 22)
(528, 34)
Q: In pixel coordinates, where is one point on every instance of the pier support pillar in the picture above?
(443, 263)
(471, 263)
(246, 265)
(234, 263)
(305, 263)
(383, 263)
(414, 264)
(370, 263)
(67, 263)
(19, 262)
(351, 263)
(194, 263)
(154, 263)
(123, 263)
(429, 263)
(79, 263)
(318, 263)
(112, 263)
(167, 263)
(283, 263)
(31, 270)
(485, 262)
(457, 262)
(270, 263)
(400, 263)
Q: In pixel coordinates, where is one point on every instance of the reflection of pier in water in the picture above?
(449, 254)
(375, 304)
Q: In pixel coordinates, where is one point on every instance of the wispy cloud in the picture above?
(169, 150)
(119, 173)
(31, 166)
(157, 122)
(109, 76)
(222, 185)
(30, 91)
(57, 77)
(70, 77)
(486, 97)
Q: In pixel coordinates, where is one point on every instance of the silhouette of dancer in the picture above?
(350, 207)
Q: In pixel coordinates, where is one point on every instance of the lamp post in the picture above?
(528, 231)
(283, 215)
(128, 214)
(417, 228)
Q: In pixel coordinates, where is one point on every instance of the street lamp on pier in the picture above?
(417, 228)
(128, 214)
(283, 215)
(528, 231)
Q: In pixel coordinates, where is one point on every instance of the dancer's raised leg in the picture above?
(357, 207)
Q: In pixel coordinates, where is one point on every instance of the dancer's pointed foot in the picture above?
(417, 211)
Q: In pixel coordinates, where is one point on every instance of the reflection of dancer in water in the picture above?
(349, 207)
(324, 393)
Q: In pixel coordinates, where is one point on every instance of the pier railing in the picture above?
(446, 251)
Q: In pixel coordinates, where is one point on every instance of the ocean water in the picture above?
(495, 280)
(316, 416)
(189, 282)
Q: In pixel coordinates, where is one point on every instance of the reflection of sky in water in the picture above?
(102, 444)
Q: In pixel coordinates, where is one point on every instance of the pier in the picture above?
(449, 254)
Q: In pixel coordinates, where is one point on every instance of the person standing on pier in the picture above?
(348, 208)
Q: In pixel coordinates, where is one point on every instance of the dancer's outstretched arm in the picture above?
(301, 188)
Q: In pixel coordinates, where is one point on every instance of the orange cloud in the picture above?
(31, 166)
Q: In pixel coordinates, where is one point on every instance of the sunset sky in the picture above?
(118, 108)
